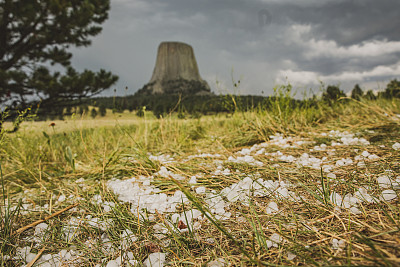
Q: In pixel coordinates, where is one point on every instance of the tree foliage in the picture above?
(102, 110)
(357, 92)
(332, 93)
(392, 89)
(93, 113)
(370, 95)
(35, 35)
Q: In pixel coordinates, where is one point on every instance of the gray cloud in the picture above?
(329, 39)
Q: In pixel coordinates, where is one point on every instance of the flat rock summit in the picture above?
(175, 72)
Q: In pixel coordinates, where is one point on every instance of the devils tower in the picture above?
(175, 72)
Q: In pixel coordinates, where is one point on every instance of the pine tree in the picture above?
(332, 93)
(392, 89)
(35, 34)
(357, 92)
(102, 110)
(370, 95)
(93, 113)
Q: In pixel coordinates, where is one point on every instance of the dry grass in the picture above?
(39, 169)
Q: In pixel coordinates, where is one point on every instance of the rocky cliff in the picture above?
(175, 72)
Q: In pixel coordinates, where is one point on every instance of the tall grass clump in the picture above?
(37, 156)
(282, 113)
(51, 152)
(8, 217)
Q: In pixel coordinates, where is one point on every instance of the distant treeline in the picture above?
(197, 105)
(184, 104)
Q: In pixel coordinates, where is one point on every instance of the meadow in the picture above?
(312, 185)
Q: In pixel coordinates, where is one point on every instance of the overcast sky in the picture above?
(262, 43)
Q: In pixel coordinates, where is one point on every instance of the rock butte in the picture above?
(175, 72)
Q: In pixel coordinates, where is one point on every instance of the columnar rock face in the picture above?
(176, 71)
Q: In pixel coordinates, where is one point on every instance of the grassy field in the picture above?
(316, 185)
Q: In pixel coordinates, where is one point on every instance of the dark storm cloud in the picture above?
(347, 22)
(304, 38)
